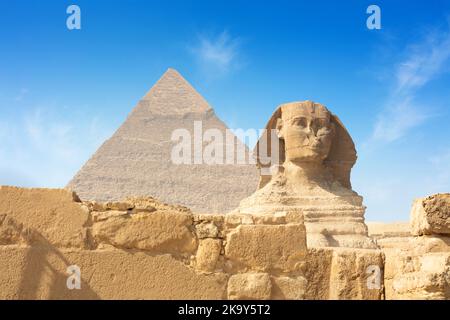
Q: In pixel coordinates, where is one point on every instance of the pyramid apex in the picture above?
(171, 71)
(172, 93)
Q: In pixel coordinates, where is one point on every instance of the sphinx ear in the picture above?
(279, 128)
(333, 129)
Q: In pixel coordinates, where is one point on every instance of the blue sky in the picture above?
(62, 93)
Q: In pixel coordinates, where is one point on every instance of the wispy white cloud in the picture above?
(219, 53)
(426, 60)
(399, 115)
(423, 62)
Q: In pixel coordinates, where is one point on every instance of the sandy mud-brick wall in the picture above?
(143, 249)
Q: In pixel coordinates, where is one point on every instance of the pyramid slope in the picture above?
(136, 159)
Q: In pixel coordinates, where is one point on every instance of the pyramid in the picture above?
(136, 160)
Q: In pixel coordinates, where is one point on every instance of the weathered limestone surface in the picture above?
(414, 273)
(54, 214)
(382, 230)
(289, 288)
(12, 232)
(249, 286)
(431, 215)
(208, 254)
(266, 247)
(136, 160)
(305, 158)
(363, 265)
(390, 235)
(161, 231)
(135, 249)
(140, 248)
(417, 263)
(40, 273)
(344, 274)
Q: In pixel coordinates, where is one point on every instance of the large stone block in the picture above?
(419, 269)
(12, 232)
(317, 271)
(208, 253)
(249, 286)
(382, 230)
(431, 215)
(344, 274)
(427, 244)
(289, 288)
(160, 231)
(266, 247)
(356, 274)
(206, 230)
(421, 277)
(53, 213)
(41, 273)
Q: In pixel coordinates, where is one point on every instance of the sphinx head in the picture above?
(307, 131)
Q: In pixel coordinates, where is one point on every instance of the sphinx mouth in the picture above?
(314, 146)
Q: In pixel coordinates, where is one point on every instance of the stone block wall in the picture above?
(417, 255)
(143, 249)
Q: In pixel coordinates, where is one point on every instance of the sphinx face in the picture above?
(307, 131)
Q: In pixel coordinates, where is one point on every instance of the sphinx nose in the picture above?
(309, 129)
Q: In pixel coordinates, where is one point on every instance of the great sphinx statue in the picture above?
(305, 157)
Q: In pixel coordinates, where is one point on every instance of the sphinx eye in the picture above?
(320, 123)
(301, 122)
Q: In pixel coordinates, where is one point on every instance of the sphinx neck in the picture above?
(305, 173)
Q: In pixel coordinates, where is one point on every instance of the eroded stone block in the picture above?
(431, 215)
(156, 231)
(206, 230)
(266, 247)
(249, 286)
(55, 214)
(208, 253)
(289, 288)
(356, 274)
(41, 273)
